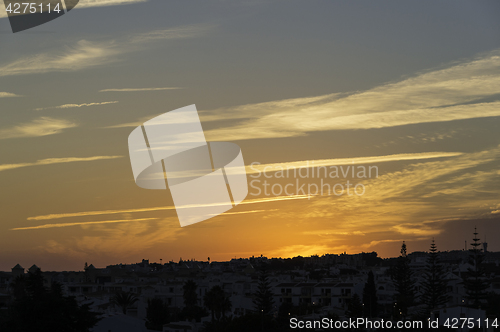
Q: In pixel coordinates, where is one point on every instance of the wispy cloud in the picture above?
(89, 4)
(88, 54)
(128, 124)
(8, 95)
(436, 96)
(376, 217)
(417, 229)
(243, 212)
(290, 125)
(42, 126)
(139, 89)
(84, 54)
(109, 241)
(51, 161)
(293, 166)
(92, 223)
(414, 203)
(158, 208)
(253, 169)
(182, 32)
(428, 178)
(132, 124)
(77, 105)
(88, 223)
(103, 3)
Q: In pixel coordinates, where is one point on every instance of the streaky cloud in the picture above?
(253, 169)
(76, 105)
(284, 166)
(132, 124)
(85, 54)
(42, 126)
(8, 95)
(92, 223)
(104, 3)
(52, 161)
(139, 89)
(180, 32)
(85, 223)
(124, 238)
(429, 194)
(449, 94)
(158, 208)
(88, 54)
(245, 212)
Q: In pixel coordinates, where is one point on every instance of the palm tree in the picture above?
(124, 300)
(190, 296)
(217, 302)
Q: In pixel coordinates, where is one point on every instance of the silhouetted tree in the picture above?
(371, 258)
(263, 298)
(217, 302)
(475, 282)
(402, 278)
(370, 300)
(157, 314)
(355, 307)
(19, 287)
(191, 308)
(189, 294)
(434, 286)
(124, 300)
(35, 308)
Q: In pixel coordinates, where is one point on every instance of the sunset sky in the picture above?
(412, 88)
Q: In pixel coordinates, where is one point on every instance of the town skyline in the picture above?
(485, 247)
